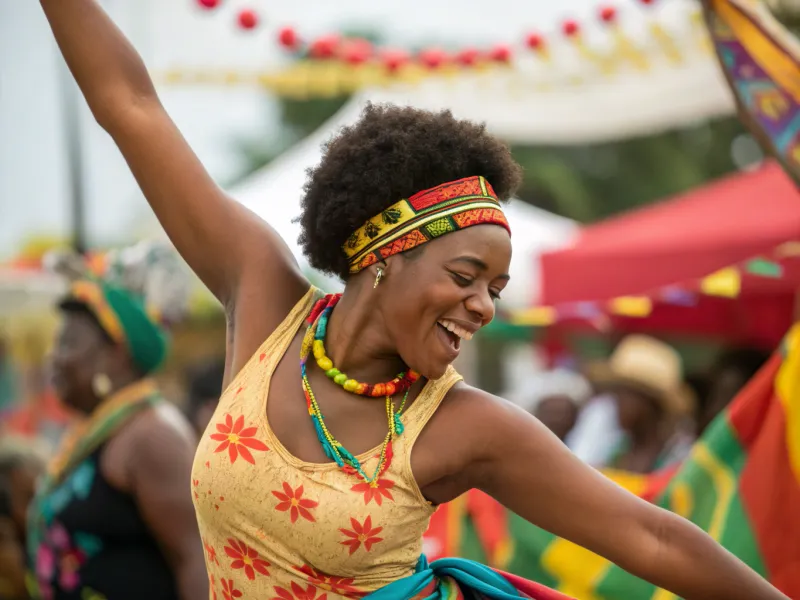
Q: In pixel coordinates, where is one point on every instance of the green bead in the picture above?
(340, 378)
(332, 373)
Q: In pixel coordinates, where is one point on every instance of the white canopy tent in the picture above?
(274, 194)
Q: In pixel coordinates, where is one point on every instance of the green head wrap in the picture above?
(140, 288)
(123, 316)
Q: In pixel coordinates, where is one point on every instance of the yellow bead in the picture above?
(325, 363)
(318, 349)
(350, 385)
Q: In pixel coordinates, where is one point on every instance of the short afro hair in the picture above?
(392, 153)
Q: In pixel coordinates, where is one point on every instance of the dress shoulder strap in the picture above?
(274, 347)
(284, 333)
(414, 422)
(426, 404)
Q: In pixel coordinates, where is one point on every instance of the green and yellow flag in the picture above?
(741, 484)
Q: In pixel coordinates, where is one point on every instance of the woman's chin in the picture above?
(434, 370)
(430, 365)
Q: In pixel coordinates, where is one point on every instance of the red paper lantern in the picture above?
(608, 14)
(534, 41)
(288, 38)
(208, 4)
(248, 19)
(500, 53)
(394, 59)
(324, 47)
(570, 28)
(467, 57)
(433, 58)
(355, 51)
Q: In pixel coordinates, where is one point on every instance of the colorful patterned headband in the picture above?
(426, 215)
(123, 316)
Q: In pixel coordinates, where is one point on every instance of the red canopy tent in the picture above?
(684, 239)
(676, 240)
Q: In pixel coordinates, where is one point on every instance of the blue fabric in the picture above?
(468, 574)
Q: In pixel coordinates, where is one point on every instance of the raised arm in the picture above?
(228, 246)
(527, 469)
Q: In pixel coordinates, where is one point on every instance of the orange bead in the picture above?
(379, 390)
(390, 389)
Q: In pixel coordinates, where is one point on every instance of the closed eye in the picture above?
(461, 280)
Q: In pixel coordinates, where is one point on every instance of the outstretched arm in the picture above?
(527, 469)
(224, 243)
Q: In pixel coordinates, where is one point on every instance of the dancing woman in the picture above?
(306, 483)
(112, 519)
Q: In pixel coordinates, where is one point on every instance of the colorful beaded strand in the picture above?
(398, 385)
(338, 453)
(317, 327)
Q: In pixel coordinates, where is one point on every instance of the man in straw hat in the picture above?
(645, 376)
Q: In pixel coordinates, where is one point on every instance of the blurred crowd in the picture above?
(637, 411)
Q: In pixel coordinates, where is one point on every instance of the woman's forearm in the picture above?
(109, 71)
(690, 563)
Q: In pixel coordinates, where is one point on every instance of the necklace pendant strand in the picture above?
(313, 342)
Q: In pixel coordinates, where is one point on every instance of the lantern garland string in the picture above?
(334, 64)
(355, 51)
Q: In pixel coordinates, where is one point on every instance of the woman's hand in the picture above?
(526, 468)
(12, 562)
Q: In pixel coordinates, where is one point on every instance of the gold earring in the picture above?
(101, 385)
(378, 277)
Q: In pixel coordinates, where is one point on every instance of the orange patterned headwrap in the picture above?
(424, 216)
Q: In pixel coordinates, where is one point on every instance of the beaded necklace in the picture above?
(319, 320)
(312, 340)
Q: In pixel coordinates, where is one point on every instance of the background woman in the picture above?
(405, 206)
(112, 518)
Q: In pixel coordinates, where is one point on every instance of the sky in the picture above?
(34, 182)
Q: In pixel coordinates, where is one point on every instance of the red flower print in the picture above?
(212, 554)
(293, 501)
(237, 439)
(337, 585)
(299, 593)
(211, 586)
(229, 591)
(361, 533)
(246, 558)
(377, 490)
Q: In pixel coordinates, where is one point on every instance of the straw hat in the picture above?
(649, 366)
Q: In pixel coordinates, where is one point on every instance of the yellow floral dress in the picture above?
(275, 527)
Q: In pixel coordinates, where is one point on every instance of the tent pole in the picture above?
(74, 149)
